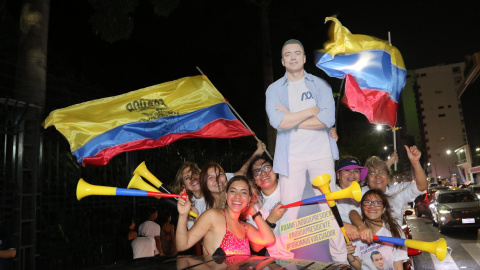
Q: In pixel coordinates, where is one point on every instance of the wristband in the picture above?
(256, 215)
(272, 225)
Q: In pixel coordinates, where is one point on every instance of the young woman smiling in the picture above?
(224, 228)
(377, 216)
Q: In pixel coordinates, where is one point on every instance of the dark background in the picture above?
(224, 39)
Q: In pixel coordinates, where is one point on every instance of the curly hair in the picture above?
(178, 185)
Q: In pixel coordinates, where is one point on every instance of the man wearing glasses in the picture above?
(398, 194)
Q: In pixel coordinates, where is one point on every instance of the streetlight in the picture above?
(379, 128)
(449, 151)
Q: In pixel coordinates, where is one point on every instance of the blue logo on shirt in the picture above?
(307, 95)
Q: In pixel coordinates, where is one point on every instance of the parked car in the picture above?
(422, 202)
(422, 205)
(476, 189)
(455, 208)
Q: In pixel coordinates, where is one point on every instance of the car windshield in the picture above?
(456, 197)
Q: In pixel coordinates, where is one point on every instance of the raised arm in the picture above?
(261, 237)
(414, 155)
(8, 253)
(187, 238)
(393, 158)
(276, 214)
(259, 151)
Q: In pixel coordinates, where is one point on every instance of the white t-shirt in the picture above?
(269, 202)
(200, 205)
(150, 228)
(398, 195)
(143, 246)
(305, 144)
(229, 176)
(344, 206)
(388, 253)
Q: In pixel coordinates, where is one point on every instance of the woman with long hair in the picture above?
(265, 180)
(212, 184)
(225, 229)
(188, 178)
(377, 216)
(398, 195)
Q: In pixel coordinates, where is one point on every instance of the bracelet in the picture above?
(256, 215)
(272, 225)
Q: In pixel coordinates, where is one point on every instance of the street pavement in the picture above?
(463, 246)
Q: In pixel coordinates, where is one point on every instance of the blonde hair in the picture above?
(178, 186)
(375, 162)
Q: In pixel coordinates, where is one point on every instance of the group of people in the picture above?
(242, 211)
(151, 239)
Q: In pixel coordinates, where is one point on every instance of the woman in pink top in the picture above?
(225, 228)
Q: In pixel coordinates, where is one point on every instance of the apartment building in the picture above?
(440, 117)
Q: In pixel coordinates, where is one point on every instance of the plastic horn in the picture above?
(145, 173)
(138, 183)
(323, 183)
(353, 191)
(438, 248)
(85, 189)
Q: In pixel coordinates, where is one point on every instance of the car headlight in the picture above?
(443, 211)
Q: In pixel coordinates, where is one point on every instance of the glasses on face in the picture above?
(380, 172)
(373, 203)
(264, 168)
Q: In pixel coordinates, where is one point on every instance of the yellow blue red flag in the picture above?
(151, 117)
(374, 70)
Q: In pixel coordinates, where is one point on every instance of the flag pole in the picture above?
(339, 97)
(394, 129)
(241, 119)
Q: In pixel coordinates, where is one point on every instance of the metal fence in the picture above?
(72, 234)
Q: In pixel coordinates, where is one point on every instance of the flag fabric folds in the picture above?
(374, 70)
(151, 117)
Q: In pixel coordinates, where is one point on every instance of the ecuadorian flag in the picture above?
(374, 70)
(151, 117)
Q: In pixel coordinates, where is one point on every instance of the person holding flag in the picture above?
(300, 106)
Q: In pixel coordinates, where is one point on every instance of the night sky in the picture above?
(223, 38)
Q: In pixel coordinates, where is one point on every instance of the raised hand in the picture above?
(183, 206)
(413, 153)
(276, 213)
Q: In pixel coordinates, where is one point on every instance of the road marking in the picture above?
(446, 264)
(473, 250)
